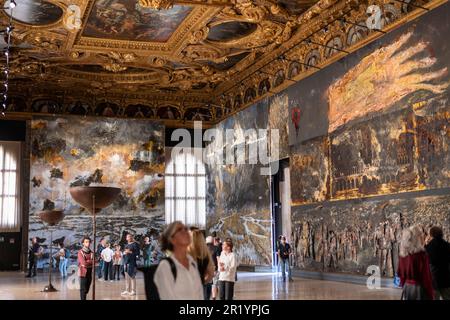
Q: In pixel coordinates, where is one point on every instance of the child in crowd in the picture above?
(117, 262)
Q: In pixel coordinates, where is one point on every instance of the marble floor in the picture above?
(250, 286)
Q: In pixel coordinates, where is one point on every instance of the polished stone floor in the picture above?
(258, 286)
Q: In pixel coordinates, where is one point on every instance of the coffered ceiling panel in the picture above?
(174, 60)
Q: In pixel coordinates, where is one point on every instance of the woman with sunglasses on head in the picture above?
(186, 285)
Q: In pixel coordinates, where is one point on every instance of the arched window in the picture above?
(9, 186)
(185, 190)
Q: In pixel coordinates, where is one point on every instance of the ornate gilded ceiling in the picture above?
(177, 60)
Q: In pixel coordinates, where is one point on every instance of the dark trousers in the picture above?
(116, 272)
(85, 284)
(226, 290)
(32, 264)
(107, 270)
(207, 289)
(100, 269)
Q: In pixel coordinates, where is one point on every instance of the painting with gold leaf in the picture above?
(128, 20)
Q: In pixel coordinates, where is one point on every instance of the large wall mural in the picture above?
(369, 141)
(388, 115)
(74, 151)
(238, 199)
(348, 236)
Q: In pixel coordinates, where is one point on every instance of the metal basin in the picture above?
(104, 196)
(51, 217)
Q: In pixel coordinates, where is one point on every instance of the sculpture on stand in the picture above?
(52, 218)
(94, 199)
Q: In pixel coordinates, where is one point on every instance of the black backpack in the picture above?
(151, 291)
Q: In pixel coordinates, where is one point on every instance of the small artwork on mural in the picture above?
(371, 158)
(278, 113)
(309, 165)
(127, 20)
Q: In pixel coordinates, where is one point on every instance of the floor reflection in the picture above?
(250, 286)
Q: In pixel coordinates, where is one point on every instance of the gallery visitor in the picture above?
(85, 265)
(227, 269)
(439, 254)
(212, 250)
(147, 251)
(98, 253)
(186, 283)
(201, 254)
(215, 257)
(131, 255)
(284, 253)
(414, 267)
(64, 256)
(107, 258)
(117, 262)
(34, 253)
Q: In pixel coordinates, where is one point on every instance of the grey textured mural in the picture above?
(238, 199)
(74, 151)
(348, 236)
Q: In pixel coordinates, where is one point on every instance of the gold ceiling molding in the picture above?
(223, 55)
(269, 67)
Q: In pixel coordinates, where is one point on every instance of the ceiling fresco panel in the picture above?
(127, 20)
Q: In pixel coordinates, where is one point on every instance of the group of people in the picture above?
(424, 264)
(60, 259)
(194, 268)
(204, 268)
(111, 263)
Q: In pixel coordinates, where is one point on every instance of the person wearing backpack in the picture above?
(177, 277)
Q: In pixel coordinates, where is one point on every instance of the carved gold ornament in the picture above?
(190, 69)
(156, 4)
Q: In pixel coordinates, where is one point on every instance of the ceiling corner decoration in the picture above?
(179, 61)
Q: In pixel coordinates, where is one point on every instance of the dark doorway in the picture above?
(275, 199)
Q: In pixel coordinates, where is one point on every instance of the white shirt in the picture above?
(229, 261)
(187, 286)
(107, 254)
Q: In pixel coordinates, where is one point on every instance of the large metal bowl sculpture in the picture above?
(94, 199)
(52, 218)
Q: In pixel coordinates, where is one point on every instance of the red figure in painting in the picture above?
(295, 117)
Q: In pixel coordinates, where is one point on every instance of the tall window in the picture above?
(185, 190)
(9, 186)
